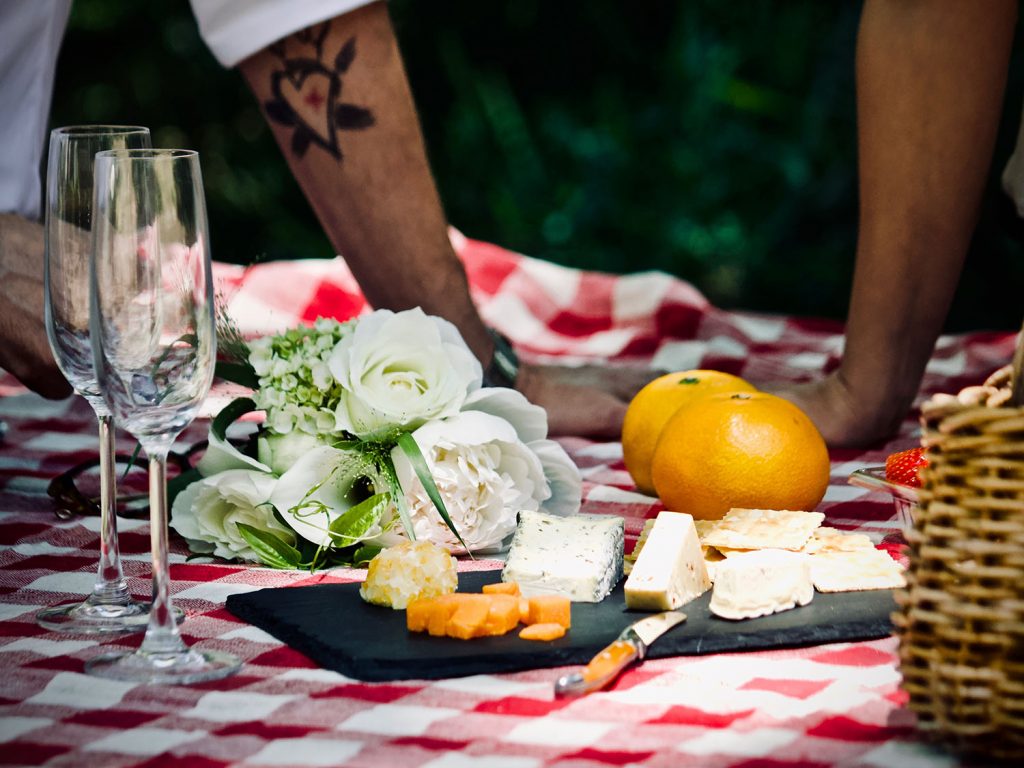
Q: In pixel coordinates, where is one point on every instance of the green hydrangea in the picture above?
(297, 389)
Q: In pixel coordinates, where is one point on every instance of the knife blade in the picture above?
(631, 645)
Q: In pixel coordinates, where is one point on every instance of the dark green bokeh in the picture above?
(712, 140)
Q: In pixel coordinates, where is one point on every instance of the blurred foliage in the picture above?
(711, 140)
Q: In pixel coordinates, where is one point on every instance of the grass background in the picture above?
(714, 141)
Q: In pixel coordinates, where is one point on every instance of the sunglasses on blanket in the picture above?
(76, 491)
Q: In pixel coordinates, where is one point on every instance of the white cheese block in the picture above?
(759, 583)
(579, 556)
(670, 570)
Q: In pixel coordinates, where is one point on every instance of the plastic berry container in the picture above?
(904, 497)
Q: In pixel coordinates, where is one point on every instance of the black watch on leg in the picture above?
(503, 369)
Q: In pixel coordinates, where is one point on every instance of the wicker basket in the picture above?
(961, 618)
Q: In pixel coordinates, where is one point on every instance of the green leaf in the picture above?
(178, 484)
(354, 524)
(349, 445)
(401, 502)
(229, 414)
(412, 451)
(131, 460)
(237, 373)
(270, 549)
(365, 554)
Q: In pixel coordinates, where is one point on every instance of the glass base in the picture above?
(176, 668)
(93, 618)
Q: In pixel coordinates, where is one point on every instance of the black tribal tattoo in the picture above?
(307, 93)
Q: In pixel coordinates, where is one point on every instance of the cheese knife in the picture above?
(631, 645)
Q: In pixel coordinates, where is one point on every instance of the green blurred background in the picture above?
(715, 141)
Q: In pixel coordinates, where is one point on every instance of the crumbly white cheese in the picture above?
(759, 583)
(579, 556)
(670, 570)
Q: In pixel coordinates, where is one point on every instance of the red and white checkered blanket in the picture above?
(823, 705)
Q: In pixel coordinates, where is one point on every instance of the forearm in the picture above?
(24, 350)
(363, 166)
(930, 79)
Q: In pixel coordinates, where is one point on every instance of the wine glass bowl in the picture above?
(154, 348)
(68, 246)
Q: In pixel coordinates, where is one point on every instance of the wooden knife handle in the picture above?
(601, 670)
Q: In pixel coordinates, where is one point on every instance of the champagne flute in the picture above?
(69, 182)
(154, 348)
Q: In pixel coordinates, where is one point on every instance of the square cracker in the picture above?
(851, 571)
(704, 527)
(761, 529)
(629, 559)
(825, 539)
(727, 552)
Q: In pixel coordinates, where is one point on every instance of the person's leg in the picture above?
(930, 81)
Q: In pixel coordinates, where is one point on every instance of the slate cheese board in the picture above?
(334, 627)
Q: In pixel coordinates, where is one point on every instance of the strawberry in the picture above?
(903, 467)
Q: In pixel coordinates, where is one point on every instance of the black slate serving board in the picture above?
(332, 625)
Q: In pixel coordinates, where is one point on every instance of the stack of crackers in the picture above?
(839, 562)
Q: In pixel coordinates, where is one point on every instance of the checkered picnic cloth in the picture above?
(822, 705)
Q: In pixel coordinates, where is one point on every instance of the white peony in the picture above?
(321, 486)
(531, 424)
(398, 371)
(207, 512)
(486, 474)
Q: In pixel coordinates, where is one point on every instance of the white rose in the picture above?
(485, 473)
(279, 452)
(321, 486)
(207, 512)
(399, 370)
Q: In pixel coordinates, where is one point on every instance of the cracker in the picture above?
(825, 539)
(762, 529)
(851, 571)
(704, 527)
(628, 560)
(728, 552)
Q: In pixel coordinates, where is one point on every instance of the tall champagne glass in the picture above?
(110, 607)
(154, 346)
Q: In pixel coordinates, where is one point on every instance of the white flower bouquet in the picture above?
(376, 430)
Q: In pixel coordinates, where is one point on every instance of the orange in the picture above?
(652, 407)
(739, 449)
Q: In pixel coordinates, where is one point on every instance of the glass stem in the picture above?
(110, 587)
(162, 636)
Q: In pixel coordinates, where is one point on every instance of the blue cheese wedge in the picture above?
(758, 583)
(579, 556)
(670, 570)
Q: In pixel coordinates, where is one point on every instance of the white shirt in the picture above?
(236, 29)
(30, 36)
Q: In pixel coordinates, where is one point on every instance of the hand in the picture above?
(845, 418)
(586, 401)
(24, 350)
